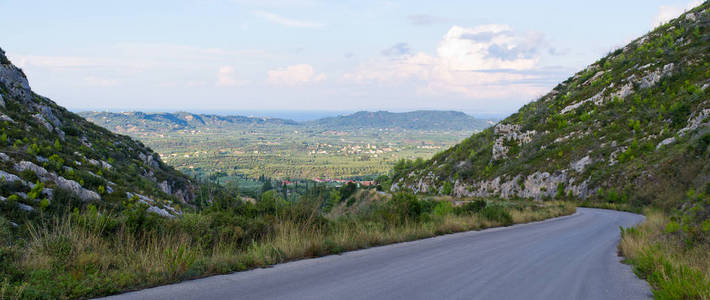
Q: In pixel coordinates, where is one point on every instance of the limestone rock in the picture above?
(159, 211)
(16, 82)
(579, 165)
(9, 178)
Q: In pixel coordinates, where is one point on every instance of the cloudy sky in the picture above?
(481, 57)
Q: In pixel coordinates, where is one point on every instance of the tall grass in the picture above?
(75, 256)
(674, 268)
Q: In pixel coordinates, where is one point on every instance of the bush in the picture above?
(497, 214)
(443, 208)
(447, 189)
(472, 207)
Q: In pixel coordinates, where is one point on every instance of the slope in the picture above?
(414, 120)
(163, 122)
(50, 157)
(631, 127)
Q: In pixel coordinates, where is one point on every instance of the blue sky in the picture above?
(481, 57)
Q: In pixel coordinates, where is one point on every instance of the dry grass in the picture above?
(550, 210)
(674, 269)
(69, 261)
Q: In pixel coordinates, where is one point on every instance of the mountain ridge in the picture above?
(416, 120)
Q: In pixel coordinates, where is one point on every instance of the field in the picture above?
(283, 150)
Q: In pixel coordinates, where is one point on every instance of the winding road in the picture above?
(571, 257)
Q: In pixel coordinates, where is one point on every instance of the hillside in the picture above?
(162, 122)
(50, 157)
(415, 120)
(632, 127)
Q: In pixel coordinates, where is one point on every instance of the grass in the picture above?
(612, 206)
(70, 257)
(674, 268)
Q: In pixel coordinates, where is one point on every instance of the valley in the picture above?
(331, 148)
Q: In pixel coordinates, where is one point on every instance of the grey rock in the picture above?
(165, 187)
(25, 207)
(141, 198)
(690, 17)
(7, 177)
(61, 182)
(159, 211)
(597, 99)
(41, 172)
(579, 165)
(696, 120)
(106, 165)
(665, 142)
(4, 117)
(14, 79)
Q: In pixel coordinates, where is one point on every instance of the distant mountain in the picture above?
(632, 127)
(50, 157)
(139, 121)
(415, 120)
(126, 122)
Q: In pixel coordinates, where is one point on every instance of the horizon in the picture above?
(484, 59)
(293, 115)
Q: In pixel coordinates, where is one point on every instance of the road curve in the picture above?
(572, 257)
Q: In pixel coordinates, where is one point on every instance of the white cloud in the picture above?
(484, 62)
(274, 18)
(670, 12)
(294, 75)
(227, 77)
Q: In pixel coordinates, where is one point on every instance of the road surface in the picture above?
(572, 257)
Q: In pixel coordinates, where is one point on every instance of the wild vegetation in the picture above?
(93, 250)
(672, 251)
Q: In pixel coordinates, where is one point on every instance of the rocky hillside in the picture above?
(162, 122)
(414, 120)
(49, 156)
(631, 127)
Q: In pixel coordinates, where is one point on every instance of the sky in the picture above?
(480, 57)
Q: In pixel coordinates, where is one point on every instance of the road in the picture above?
(572, 257)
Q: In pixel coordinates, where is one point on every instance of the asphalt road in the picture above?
(573, 257)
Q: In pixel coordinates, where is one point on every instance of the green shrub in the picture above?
(443, 208)
(447, 189)
(498, 214)
(472, 207)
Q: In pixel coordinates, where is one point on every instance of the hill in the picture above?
(632, 127)
(415, 120)
(50, 157)
(162, 122)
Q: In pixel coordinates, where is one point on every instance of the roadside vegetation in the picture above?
(672, 250)
(93, 250)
